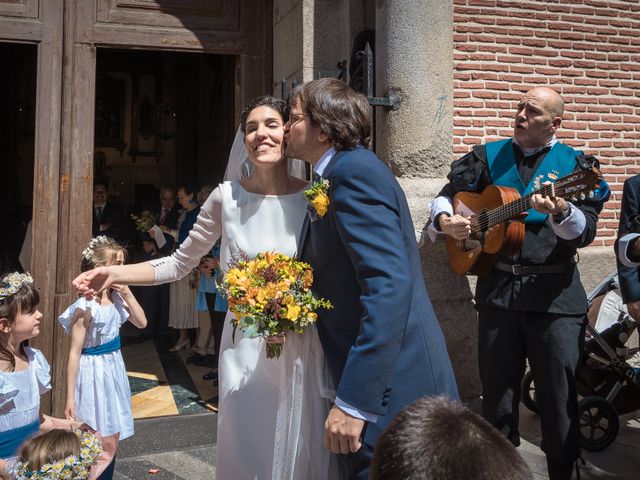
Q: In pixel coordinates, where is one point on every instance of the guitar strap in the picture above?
(559, 162)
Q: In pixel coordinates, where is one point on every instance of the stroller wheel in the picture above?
(528, 392)
(598, 423)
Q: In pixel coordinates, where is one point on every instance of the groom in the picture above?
(382, 341)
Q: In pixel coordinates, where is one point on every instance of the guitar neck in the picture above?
(513, 209)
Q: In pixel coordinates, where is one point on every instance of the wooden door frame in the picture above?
(83, 34)
(40, 23)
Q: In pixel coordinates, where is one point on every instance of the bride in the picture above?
(271, 411)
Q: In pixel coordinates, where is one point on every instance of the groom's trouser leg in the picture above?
(357, 464)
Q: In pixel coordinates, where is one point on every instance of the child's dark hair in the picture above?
(438, 439)
(24, 300)
(100, 252)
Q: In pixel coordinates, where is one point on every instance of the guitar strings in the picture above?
(484, 220)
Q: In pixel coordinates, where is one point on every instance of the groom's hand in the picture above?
(342, 432)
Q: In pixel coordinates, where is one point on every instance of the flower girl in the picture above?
(98, 390)
(57, 455)
(24, 372)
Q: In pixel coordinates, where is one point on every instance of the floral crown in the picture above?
(71, 468)
(88, 252)
(12, 283)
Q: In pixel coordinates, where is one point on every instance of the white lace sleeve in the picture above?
(203, 235)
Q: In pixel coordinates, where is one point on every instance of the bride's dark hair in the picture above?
(278, 105)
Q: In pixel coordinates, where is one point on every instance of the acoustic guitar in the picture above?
(497, 216)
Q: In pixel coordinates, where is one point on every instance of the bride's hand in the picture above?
(93, 281)
(276, 339)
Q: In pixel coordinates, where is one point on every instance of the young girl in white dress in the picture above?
(98, 390)
(271, 411)
(24, 372)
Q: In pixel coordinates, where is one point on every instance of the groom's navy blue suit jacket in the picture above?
(382, 341)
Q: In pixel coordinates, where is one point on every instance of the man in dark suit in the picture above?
(628, 246)
(167, 210)
(382, 341)
(531, 305)
(108, 218)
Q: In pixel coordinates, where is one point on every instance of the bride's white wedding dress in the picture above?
(271, 411)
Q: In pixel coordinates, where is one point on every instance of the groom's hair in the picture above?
(439, 439)
(342, 114)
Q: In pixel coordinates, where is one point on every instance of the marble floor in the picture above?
(162, 383)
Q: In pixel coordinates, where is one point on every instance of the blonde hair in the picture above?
(101, 251)
(49, 447)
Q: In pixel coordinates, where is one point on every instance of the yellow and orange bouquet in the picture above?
(270, 295)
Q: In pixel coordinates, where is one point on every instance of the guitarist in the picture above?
(532, 304)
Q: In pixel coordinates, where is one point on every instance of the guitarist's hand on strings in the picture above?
(548, 205)
(457, 226)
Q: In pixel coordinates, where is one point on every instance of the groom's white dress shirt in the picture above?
(319, 168)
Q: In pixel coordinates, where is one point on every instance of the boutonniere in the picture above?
(318, 197)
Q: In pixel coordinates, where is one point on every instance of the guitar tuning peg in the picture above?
(592, 194)
(573, 198)
(582, 196)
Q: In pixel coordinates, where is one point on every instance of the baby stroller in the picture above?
(608, 385)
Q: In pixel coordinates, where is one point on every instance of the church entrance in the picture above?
(137, 94)
(17, 129)
(163, 120)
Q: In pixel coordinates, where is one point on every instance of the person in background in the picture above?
(154, 299)
(108, 218)
(98, 389)
(438, 439)
(59, 454)
(25, 374)
(531, 305)
(628, 246)
(168, 211)
(220, 308)
(205, 303)
(182, 303)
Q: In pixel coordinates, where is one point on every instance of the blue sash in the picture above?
(10, 441)
(110, 346)
(559, 162)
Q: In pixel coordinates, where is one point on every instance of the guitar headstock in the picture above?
(577, 185)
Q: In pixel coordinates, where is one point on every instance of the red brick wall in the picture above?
(588, 50)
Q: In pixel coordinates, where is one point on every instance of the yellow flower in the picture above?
(238, 278)
(293, 311)
(321, 203)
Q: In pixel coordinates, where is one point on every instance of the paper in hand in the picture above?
(158, 236)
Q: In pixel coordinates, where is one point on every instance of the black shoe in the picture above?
(205, 361)
(213, 374)
(195, 358)
(558, 470)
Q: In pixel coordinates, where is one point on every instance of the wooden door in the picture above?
(40, 22)
(63, 172)
(233, 27)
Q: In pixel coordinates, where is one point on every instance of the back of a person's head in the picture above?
(48, 448)
(58, 454)
(438, 439)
